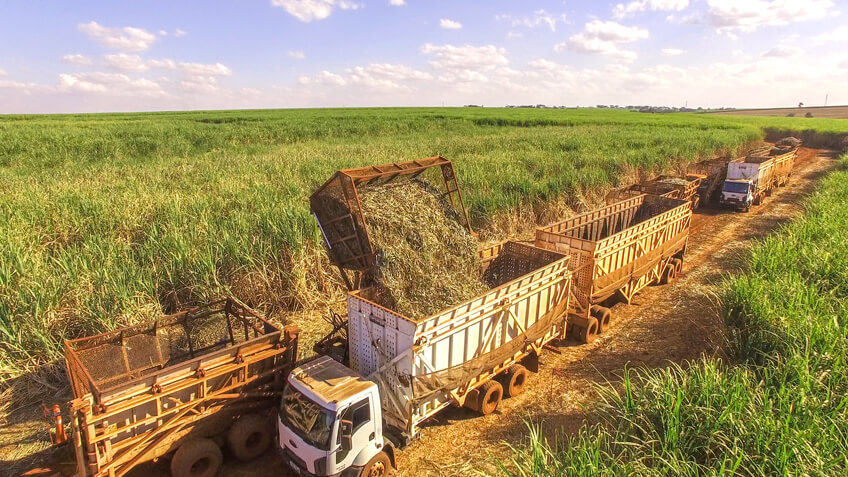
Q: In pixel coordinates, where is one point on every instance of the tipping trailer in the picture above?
(344, 420)
(177, 386)
(783, 164)
(616, 251)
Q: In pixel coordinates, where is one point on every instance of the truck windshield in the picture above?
(307, 419)
(736, 187)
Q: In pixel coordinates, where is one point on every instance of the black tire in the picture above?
(197, 458)
(378, 466)
(249, 437)
(678, 265)
(513, 380)
(489, 397)
(604, 317)
(589, 332)
(668, 274)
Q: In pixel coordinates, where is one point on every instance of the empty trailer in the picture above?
(616, 251)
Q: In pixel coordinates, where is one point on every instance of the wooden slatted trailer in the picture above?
(616, 251)
(422, 366)
(169, 386)
(674, 187)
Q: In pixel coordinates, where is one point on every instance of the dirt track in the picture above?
(671, 323)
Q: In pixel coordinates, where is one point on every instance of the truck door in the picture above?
(363, 431)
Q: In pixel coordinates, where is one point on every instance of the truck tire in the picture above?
(603, 315)
(696, 201)
(197, 458)
(678, 265)
(488, 397)
(589, 332)
(378, 466)
(668, 274)
(513, 380)
(249, 437)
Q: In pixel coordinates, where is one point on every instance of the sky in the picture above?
(147, 55)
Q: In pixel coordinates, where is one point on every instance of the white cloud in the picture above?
(749, 15)
(844, 65)
(179, 33)
(163, 33)
(124, 62)
(310, 10)
(448, 24)
(296, 55)
(192, 69)
(114, 84)
(466, 56)
(379, 76)
(77, 59)
(838, 35)
(3, 72)
(672, 51)
(603, 38)
(514, 34)
(539, 18)
(397, 3)
(126, 38)
(783, 51)
(625, 10)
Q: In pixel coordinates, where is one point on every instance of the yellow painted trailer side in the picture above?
(619, 249)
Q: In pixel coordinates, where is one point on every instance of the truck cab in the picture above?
(330, 422)
(737, 193)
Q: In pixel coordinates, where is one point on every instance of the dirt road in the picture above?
(670, 323)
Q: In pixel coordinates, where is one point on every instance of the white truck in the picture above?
(347, 420)
(339, 420)
(748, 181)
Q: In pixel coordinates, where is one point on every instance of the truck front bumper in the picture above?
(296, 467)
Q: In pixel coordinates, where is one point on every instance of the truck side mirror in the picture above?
(346, 434)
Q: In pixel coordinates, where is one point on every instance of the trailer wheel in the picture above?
(197, 458)
(669, 272)
(513, 380)
(604, 317)
(696, 201)
(378, 466)
(589, 332)
(249, 437)
(678, 265)
(489, 396)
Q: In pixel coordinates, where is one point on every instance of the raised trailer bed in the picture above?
(616, 251)
(422, 366)
(337, 209)
(166, 386)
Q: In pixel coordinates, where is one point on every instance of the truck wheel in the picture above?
(196, 458)
(668, 274)
(589, 332)
(378, 466)
(678, 265)
(696, 201)
(513, 380)
(604, 317)
(249, 437)
(489, 396)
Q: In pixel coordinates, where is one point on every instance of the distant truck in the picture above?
(752, 178)
(180, 386)
(348, 420)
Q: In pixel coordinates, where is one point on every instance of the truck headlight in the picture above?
(320, 466)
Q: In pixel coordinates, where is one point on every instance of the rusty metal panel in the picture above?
(337, 208)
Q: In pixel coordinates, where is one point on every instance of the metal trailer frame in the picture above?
(144, 412)
(423, 366)
(337, 208)
(657, 187)
(618, 250)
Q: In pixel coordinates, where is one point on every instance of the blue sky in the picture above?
(86, 56)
